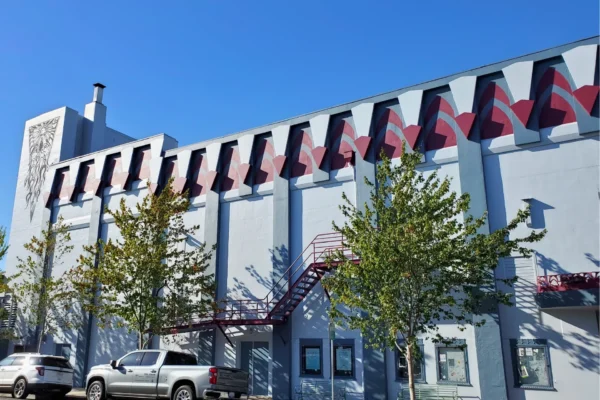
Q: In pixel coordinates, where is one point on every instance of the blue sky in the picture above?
(200, 69)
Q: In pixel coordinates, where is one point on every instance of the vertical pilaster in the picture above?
(375, 380)
(206, 339)
(488, 343)
(85, 330)
(282, 334)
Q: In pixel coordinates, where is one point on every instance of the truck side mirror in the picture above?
(113, 364)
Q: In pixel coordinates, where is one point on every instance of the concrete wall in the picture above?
(562, 181)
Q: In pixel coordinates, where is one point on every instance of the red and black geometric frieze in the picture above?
(115, 175)
(439, 124)
(553, 99)
(388, 134)
(301, 157)
(263, 160)
(141, 163)
(342, 144)
(230, 161)
(200, 181)
(494, 109)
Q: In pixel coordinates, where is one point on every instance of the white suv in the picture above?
(32, 373)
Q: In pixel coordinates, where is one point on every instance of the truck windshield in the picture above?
(179, 359)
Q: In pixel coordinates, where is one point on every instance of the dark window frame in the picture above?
(137, 358)
(421, 346)
(515, 345)
(141, 364)
(462, 345)
(312, 344)
(344, 343)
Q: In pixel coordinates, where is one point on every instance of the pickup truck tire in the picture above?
(184, 392)
(96, 391)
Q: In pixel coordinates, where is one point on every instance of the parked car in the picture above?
(23, 374)
(155, 374)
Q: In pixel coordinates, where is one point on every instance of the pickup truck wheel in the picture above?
(96, 391)
(184, 393)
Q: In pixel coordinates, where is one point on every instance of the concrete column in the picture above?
(282, 334)
(207, 338)
(85, 330)
(488, 341)
(375, 380)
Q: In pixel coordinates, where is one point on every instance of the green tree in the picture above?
(423, 261)
(4, 313)
(46, 303)
(147, 280)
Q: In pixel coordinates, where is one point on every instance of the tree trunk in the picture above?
(409, 365)
(40, 338)
(140, 340)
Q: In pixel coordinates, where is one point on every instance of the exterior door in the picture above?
(145, 375)
(121, 378)
(255, 360)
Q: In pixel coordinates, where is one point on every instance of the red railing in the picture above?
(249, 311)
(564, 282)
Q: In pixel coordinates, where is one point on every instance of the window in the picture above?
(343, 358)
(150, 358)
(7, 361)
(63, 350)
(453, 364)
(418, 365)
(179, 359)
(131, 360)
(311, 356)
(19, 361)
(50, 362)
(531, 364)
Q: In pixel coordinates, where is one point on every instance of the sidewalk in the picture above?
(80, 394)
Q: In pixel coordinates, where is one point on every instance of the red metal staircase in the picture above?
(287, 293)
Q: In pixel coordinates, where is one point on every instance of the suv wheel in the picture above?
(184, 393)
(96, 391)
(20, 389)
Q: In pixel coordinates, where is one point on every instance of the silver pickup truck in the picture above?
(162, 374)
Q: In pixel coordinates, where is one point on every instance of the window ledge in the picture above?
(401, 380)
(543, 388)
(311, 376)
(447, 383)
(344, 378)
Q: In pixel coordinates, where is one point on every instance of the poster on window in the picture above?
(343, 358)
(533, 367)
(453, 367)
(313, 359)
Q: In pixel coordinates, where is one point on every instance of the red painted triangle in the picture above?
(243, 170)
(179, 184)
(319, 155)
(211, 177)
(522, 110)
(411, 133)
(279, 163)
(362, 145)
(465, 123)
(586, 96)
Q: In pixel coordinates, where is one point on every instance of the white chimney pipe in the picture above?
(98, 91)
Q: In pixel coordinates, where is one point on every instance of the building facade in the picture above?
(516, 133)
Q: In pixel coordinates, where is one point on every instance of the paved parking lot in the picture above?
(80, 394)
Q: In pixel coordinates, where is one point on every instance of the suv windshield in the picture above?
(50, 362)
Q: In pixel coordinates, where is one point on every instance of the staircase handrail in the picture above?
(311, 246)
